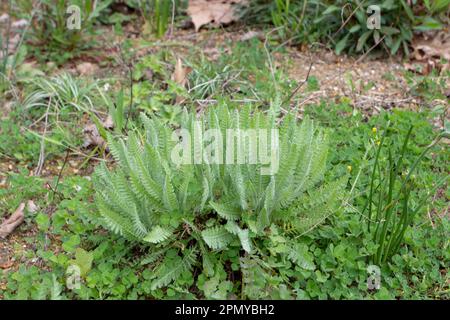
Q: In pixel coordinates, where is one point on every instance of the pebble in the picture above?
(4, 18)
(19, 24)
(72, 163)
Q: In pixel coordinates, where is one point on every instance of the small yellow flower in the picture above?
(374, 130)
(349, 168)
(378, 142)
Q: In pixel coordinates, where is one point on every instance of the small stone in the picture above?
(31, 206)
(87, 68)
(4, 18)
(250, 35)
(19, 24)
(72, 163)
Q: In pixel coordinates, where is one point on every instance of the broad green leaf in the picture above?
(362, 40)
(342, 44)
(83, 259)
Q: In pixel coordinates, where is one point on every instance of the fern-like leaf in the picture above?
(157, 235)
(216, 237)
(226, 211)
(165, 275)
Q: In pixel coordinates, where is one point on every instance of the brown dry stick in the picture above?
(12, 222)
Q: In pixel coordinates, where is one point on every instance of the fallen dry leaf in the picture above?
(6, 265)
(108, 123)
(430, 51)
(180, 73)
(12, 222)
(179, 76)
(92, 137)
(217, 12)
(438, 47)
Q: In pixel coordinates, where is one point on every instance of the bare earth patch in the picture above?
(371, 85)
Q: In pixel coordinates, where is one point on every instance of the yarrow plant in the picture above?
(238, 146)
(151, 199)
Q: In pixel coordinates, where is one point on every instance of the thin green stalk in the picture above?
(402, 153)
(388, 209)
(379, 206)
(302, 16)
(438, 138)
(403, 224)
(401, 233)
(372, 179)
(390, 213)
(404, 184)
(393, 226)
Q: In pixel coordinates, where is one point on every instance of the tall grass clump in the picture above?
(391, 205)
